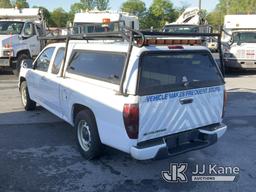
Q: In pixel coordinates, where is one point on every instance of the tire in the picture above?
(87, 135)
(20, 58)
(28, 104)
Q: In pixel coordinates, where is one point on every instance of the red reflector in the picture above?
(131, 120)
(175, 47)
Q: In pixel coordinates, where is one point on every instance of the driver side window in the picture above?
(43, 61)
(28, 29)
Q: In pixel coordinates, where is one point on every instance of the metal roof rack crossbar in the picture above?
(138, 39)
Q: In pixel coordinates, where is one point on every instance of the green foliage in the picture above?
(184, 6)
(135, 7)
(92, 4)
(160, 12)
(59, 18)
(225, 7)
(5, 4)
(75, 8)
(88, 4)
(102, 4)
(237, 6)
(46, 14)
(22, 4)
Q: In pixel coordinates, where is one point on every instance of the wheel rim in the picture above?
(84, 135)
(24, 96)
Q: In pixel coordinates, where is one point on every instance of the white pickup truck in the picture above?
(144, 99)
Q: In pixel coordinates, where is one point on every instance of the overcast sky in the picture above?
(115, 4)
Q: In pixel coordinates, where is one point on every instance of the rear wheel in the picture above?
(20, 58)
(28, 104)
(87, 135)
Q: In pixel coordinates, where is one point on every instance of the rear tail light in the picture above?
(131, 120)
(225, 102)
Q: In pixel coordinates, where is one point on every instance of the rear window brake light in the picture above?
(175, 47)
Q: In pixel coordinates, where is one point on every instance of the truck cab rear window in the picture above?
(165, 72)
(98, 65)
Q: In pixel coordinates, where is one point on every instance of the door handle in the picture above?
(186, 101)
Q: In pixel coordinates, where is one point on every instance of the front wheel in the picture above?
(27, 102)
(87, 135)
(20, 58)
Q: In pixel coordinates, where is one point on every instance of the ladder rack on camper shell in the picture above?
(140, 39)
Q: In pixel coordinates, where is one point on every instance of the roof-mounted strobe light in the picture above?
(105, 23)
(106, 20)
(154, 41)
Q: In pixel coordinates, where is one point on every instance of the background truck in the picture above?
(102, 21)
(19, 32)
(190, 21)
(239, 38)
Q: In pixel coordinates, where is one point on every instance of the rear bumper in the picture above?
(240, 63)
(179, 143)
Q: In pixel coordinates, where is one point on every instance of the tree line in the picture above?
(227, 7)
(156, 15)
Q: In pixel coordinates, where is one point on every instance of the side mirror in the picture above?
(230, 42)
(27, 63)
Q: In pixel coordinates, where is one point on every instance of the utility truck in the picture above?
(239, 38)
(19, 32)
(103, 21)
(190, 21)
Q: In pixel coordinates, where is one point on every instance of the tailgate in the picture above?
(178, 91)
(173, 112)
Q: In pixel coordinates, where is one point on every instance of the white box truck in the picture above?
(19, 32)
(103, 21)
(239, 38)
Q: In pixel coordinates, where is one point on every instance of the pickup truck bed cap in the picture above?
(139, 39)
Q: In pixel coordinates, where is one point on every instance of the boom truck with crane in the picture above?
(190, 21)
(193, 21)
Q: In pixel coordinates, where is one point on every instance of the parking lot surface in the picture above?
(39, 153)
